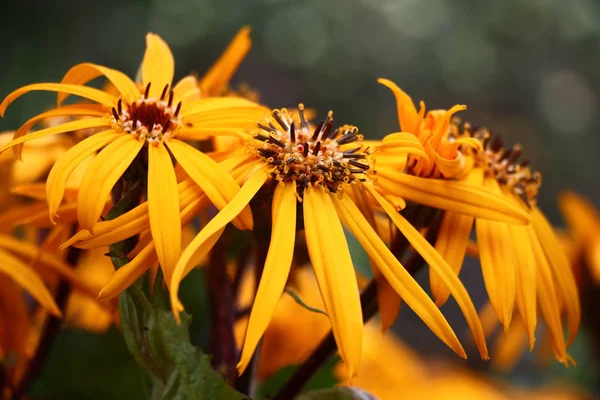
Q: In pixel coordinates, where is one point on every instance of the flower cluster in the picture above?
(144, 161)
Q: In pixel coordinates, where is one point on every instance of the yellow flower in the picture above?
(150, 121)
(323, 169)
(538, 269)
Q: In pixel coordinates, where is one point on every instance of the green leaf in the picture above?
(298, 300)
(179, 369)
(339, 393)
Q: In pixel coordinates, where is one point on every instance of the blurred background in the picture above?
(528, 69)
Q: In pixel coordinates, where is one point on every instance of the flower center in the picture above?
(150, 119)
(502, 164)
(320, 157)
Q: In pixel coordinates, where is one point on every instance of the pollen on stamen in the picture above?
(150, 119)
(308, 157)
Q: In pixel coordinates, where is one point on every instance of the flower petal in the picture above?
(158, 66)
(407, 112)
(215, 81)
(26, 277)
(440, 267)
(195, 250)
(332, 264)
(402, 142)
(215, 104)
(83, 73)
(404, 284)
(83, 91)
(103, 173)
(57, 178)
(187, 90)
(219, 186)
(276, 269)
(163, 208)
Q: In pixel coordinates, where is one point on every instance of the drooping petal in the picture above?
(450, 167)
(508, 349)
(57, 179)
(410, 291)
(196, 250)
(440, 267)
(103, 173)
(460, 197)
(402, 142)
(26, 277)
(276, 269)
(54, 130)
(215, 81)
(129, 273)
(219, 186)
(407, 113)
(332, 264)
(563, 275)
(83, 91)
(83, 73)
(187, 90)
(163, 208)
(158, 66)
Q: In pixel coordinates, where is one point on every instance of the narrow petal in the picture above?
(187, 90)
(407, 113)
(158, 66)
(548, 300)
(402, 142)
(215, 81)
(441, 268)
(460, 197)
(563, 275)
(451, 168)
(57, 179)
(219, 186)
(581, 216)
(83, 91)
(26, 277)
(451, 243)
(526, 288)
(54, 130)
(508, 350)
(125, 276)
(163, 208)
(404, 284)
(83, 73)
(214, 104)
(276, 269)
(196, 250)
(332, 264)
(103, 173)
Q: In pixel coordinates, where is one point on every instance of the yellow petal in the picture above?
(219, 186)
(163, 208)
(26, 277)
(101, 176)
(581, 216)
(215, 104)
(332, 264)
(547, 298)
(451, 168)
(62, 128)
(440, 267)
(460, 197)
(442, 125)
(508, 350)
(83, 73)
(158, 65)
(407, 113)
(526, 288)
(563, 275)
(215, 81)
(402, 142)
(187, 90)
(276, 269)
(57, 179)
(129, 273)
(404, 284)
(95, 110)
(196, 250)
(86, 92)
(451, 243)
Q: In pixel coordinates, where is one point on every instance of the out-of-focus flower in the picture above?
(155, 115)
(324, 169)
(470, 159)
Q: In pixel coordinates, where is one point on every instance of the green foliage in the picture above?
(179, 370)
(301, 303)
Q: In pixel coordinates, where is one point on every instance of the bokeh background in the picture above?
(528, 69)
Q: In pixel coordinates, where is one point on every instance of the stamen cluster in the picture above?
(319, 156)
(501, 163)
(150, 119)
